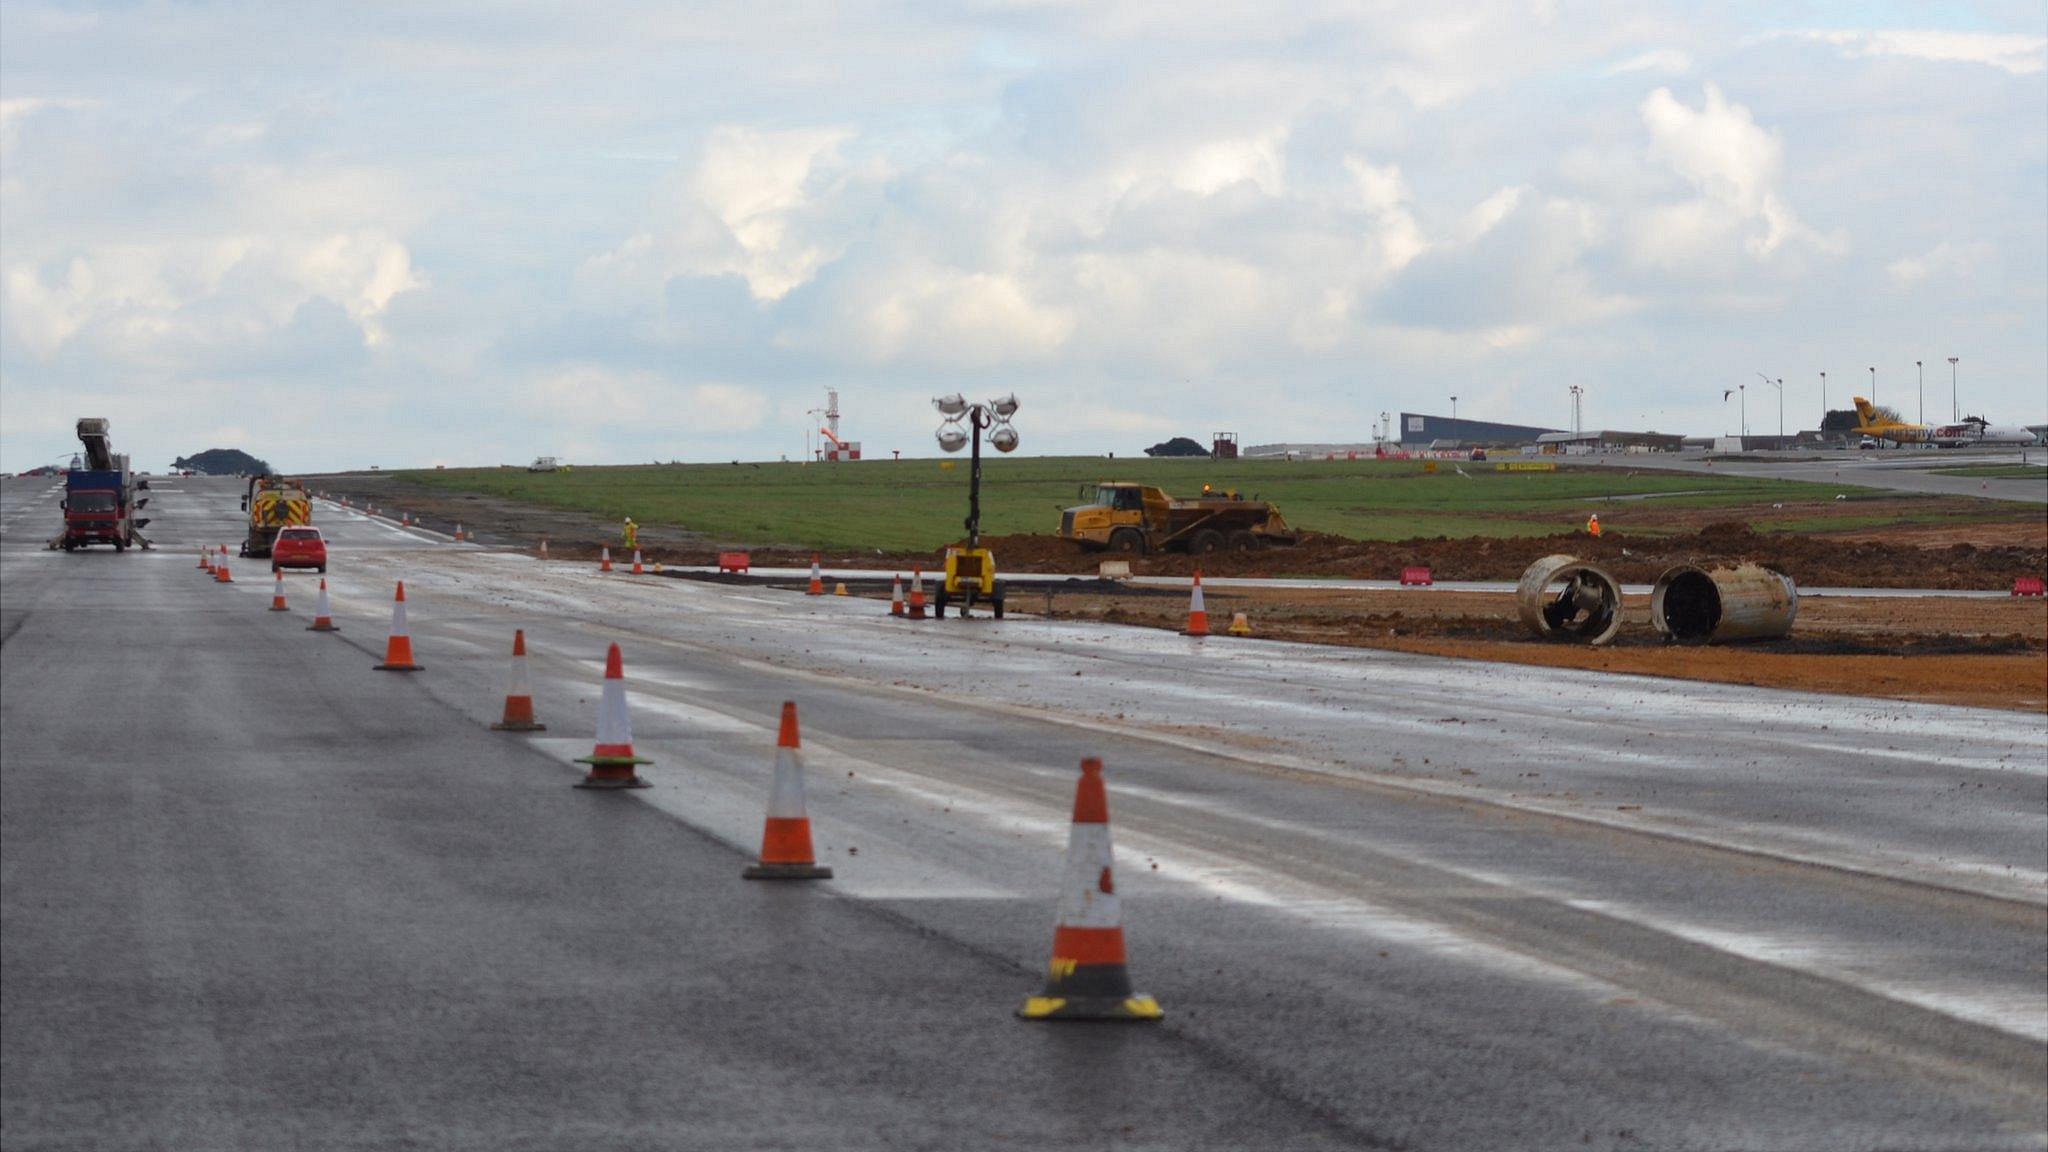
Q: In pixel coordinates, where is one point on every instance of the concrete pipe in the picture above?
(1745, 602)
(1564, 598)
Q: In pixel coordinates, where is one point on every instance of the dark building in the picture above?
(1419, 431)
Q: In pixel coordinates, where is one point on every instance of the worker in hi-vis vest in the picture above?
(631, 533)
(1593, 524)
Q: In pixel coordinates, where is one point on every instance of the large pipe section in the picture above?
(1564, 598)
(1746, 602)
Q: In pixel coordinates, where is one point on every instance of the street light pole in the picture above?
(1955, 411)
(1454, 407)
(1873, 386)
(1823, 403)
(1923, 390)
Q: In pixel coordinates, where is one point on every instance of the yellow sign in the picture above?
(1429, 466)
(1526, 466)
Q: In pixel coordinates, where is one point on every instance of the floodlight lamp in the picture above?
(1005, 407)
(952, 438)
(1004, 439)
(951, 407)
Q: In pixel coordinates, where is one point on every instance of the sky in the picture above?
(404, 235)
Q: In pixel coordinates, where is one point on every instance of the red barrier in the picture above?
(732, 561)
(1417, 577)
(2028, 586)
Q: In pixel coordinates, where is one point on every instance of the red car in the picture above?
(298, 548)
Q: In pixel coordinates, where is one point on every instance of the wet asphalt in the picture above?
(255, 895)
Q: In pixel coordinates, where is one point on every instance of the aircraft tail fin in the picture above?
(1865, 414)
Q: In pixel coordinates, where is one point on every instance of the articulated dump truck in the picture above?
(1135, 519)
(273, 504)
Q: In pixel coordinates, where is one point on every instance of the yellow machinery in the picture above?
(970, 576)
(273, 503)
(1137, 518)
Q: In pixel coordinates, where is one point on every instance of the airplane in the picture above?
(1971, 431)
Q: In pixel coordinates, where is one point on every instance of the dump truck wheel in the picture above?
(1241, 541)
(1128, 541)
(1206, 541)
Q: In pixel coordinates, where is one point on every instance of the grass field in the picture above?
(1998, 471)
(920, 504)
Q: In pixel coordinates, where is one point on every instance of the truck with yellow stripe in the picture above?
(273, 504)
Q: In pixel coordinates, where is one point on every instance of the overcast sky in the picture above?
(438, 234)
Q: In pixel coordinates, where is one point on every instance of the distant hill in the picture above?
(1178, 446)
(223, 462)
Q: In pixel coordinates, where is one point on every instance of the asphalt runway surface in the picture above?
(254, 894)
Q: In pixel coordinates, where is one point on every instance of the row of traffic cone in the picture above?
(915, 609)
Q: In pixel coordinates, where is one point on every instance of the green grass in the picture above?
(912, 505)
(1998, 471)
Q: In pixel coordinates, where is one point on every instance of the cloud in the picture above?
(1666, 61)
(1945, 261)
(1735, 164)
(2021, 54)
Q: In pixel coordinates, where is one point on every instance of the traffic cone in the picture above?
(1087, 978)
(786, 837)
(917, 593)
(896, 595)
(543, 547)
(604, 559)
(611, 762)
(205, 561)
(636, 562)
(220, 573)
(277, 593)
(1198, 616)
(839, 589)
(519, 693)
(323, 616)
(458, 531)
(1239, 626)
(398, 649)
(817, 587)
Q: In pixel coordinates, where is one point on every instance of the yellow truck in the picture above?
(273, 504)
(1135, 519)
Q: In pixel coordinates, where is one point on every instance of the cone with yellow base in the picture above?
(323, 615)
(519, 692)
(817, 587)
(1239, 625)
(398, 649)
(1088, 978)
(1198, 615)
(786, 852)
(839, 589)
(612, 760)
(277, 603)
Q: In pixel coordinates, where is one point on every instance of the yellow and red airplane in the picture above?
(1971, 432)
(1870, 423)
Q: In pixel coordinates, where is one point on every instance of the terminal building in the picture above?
(1607, 440)
(1420, 431)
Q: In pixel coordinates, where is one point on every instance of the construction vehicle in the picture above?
(970, 577)
(1137, 518)
(1223, 446)
(100, 498)
(273, 504)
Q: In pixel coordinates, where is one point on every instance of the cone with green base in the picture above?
(1088, 978)
(612, 761)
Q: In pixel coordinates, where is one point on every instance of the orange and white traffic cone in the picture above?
(323, 616)
(637, 570)
(1088, 978)
(612, 760)
(896, 595)
(917, 593)
(604, 559)
(398, 649)
(205, 561)
(1198, 616)
(458, 531)
(277, 603)
(519, 693)
(817, 587)
(220, 573)
(786, 852)
(543, 547)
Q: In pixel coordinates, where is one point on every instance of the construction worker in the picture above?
(1593, 525)
(630, 534)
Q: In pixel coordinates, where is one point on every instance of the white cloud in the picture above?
(2021, 54)
(1945, 261)
(1735, 163)
(1664, 61)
